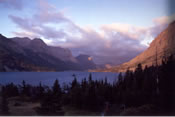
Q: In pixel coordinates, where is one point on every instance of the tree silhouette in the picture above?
(4, 103)
(57, 93)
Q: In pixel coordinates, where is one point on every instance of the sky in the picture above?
(111, 31)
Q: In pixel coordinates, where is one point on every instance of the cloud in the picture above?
(14, 4)
(113, 43)
(47, 14)
(159, 24)
(43, 23)
(105, 46)
(164, 20)
(26, 34)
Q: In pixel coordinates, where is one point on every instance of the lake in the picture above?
(48, 78)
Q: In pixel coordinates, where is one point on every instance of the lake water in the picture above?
(48, 78)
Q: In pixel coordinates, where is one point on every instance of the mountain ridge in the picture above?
(35, 55)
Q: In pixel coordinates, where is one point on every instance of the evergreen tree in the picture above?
(76, 94)
(167, 87)
(47, 105)
(11, 90)
(90, 78)
(57, 93)
(4, 103)
(51, 101)
(56, 89)
(120, 78)
(26, 89)
(40, 91)
(74, 83)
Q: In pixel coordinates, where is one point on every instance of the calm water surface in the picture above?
(48, 78)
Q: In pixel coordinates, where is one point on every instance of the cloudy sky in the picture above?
(111, 31)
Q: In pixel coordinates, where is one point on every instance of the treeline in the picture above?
(152, 85)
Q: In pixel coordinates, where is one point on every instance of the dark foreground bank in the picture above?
(144, 92)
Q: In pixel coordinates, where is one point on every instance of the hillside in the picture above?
(161, 47)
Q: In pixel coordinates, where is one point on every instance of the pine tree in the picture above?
(56, 89)
(57, 93)
(4, 105)
(11, 90)
(90, 78)
(120, 78)
(167, 81)
(25, 89)
(74, 83)
(51, 101)
(47, 105)
(41, 91)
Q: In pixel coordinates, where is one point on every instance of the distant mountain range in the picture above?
(161, 47)
(24, 54)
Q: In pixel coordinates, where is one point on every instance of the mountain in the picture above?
(24, 54)
(161, 47)
(38, 45)
(86, 61)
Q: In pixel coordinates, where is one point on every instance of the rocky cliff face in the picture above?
(161, 47)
